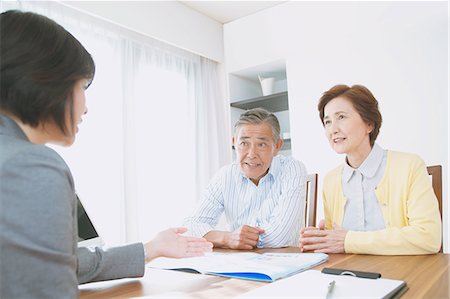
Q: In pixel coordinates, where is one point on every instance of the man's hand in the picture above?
(170, 243)
(245, 237)
(320, 240)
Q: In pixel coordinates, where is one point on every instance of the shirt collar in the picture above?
(347, 172)
(369, 167)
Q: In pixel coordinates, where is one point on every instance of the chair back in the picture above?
(311, 199)
(436, 181)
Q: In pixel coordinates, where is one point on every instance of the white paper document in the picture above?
(244, 265)
(314, 284)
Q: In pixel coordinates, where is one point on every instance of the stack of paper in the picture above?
(314, 284)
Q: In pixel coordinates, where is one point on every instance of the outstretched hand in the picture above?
(170, 243)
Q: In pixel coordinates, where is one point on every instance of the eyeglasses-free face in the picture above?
(255, 149)
(345, 130)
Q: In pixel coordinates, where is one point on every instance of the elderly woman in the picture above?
(378, 201)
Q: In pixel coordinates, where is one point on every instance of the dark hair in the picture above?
(363, 101)
(40, 64)
(257, 116)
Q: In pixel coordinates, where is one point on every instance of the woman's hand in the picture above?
(304, 229)
(170, 243)
(321, 240)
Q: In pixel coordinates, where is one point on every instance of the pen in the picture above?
(330, 288)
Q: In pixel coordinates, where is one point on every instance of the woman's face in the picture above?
(346, 132)
(79, 102)
(79, 109)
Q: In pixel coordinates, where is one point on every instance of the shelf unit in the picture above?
(275, 102)
(245, 93)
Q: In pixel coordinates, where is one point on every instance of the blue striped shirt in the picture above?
(276, 205)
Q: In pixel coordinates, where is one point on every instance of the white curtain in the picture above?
(156, 130)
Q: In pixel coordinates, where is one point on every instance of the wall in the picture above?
(168, 21)
(397, 49)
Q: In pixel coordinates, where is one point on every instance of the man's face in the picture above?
(255, 149)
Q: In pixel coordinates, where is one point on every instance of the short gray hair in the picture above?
(258, 116)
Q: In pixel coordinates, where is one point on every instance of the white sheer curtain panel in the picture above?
(156, 131)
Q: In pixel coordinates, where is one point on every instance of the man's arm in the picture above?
(207, 215)
(208, 212)
(245, 237)
(283, 223)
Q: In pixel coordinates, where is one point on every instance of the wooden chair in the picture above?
(311, 199)
(436, 181)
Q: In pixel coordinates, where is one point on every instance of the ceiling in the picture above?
(227, 11)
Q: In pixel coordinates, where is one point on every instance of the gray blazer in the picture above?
(39, 257)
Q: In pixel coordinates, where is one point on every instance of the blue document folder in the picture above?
(247, 265)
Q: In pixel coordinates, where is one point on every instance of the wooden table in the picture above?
(427, 277)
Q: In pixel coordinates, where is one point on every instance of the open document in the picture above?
(314, 284)
(245, 265)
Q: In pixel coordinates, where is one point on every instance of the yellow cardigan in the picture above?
(409, 205)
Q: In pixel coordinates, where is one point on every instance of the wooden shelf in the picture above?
(274, 102)
(286, 144)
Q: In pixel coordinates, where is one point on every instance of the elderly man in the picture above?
(261, 194)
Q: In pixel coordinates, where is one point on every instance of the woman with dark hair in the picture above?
(44, 74)
(379, 201)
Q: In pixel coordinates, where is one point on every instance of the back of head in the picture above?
(40, 64)
(258, 116)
